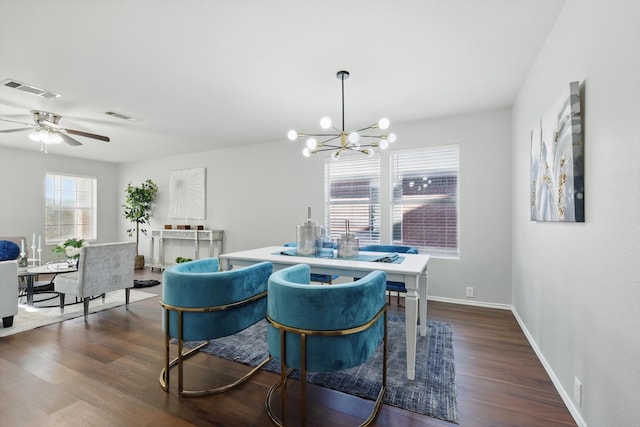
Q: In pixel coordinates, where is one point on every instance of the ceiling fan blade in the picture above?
(16, 121)
(14, 130)
(66, 138)
(88, 135)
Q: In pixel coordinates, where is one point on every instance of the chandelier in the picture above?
(341, 141)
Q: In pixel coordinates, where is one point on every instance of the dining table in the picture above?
(411, 269)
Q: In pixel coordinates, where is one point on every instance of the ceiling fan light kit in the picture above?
(46, 130)
(341, 141)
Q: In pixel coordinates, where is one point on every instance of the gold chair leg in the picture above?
(285, 373)
(183, 355)
(164, 374)
(284, 376)
(303, 378)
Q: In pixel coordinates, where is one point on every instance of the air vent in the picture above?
(34, 90)
(123, 116)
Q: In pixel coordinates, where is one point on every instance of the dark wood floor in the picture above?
(105, 373)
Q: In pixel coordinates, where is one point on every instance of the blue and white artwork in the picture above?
(557, 161)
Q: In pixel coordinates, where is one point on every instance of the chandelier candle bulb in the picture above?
(339, 141)
(325, 123)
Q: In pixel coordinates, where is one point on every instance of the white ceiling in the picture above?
(210, 74)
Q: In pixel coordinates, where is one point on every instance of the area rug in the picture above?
(145, 283)
(433, 392)
(29, 317)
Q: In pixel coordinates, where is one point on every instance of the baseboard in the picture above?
(473, 303)
(575, 413)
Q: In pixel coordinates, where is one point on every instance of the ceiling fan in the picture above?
(47, 130)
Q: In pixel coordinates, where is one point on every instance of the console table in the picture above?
(162, 237)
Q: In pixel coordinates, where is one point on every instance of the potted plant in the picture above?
(71, 249)
(137, 209)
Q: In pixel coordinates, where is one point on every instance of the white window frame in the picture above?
(434, 169)
(75, 209)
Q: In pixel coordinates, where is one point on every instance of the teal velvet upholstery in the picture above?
(212, 304)
(322, 278)
(294, 302)
(391, 285)
(323, 328)
(199, 284)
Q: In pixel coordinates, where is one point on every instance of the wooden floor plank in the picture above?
(105, 372)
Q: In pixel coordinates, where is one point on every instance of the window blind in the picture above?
(70, 207)
(352, 192)
(425, 199)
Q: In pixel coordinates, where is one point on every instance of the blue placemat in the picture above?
(381, 257)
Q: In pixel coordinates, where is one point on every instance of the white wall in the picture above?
(577, 286)
(22, 176)
(258, 194)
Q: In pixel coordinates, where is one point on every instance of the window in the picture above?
(425, 199)
(352, 189)
(70, 207)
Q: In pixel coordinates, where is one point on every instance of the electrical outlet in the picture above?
(469, 291)
(577, 391)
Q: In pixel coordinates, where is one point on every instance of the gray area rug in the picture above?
(29, 317)
(433, 392)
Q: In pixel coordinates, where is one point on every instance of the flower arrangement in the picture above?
(70, 248)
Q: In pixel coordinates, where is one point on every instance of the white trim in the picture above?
(473, 303)
(556, 382)
(573, 410)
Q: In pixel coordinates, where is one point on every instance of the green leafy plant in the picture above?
(180, 260)
(137, 207)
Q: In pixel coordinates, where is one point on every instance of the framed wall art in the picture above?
(187, 194)
(557, 161)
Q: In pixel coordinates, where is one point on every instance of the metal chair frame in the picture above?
(285, 371)
(183, 355)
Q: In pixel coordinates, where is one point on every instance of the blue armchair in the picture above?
(322, 278)
(392, 286)
(323, 328)
(201, 303)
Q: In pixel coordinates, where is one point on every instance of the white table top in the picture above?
(61, 267)
(412, 264)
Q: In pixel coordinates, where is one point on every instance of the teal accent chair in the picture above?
(322, 278)
(201, 303)
(392, 286)
(323, 329)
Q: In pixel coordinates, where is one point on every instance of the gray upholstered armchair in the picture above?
(102, 268)
(8, 291)
(9, 253)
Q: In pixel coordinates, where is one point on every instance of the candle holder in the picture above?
(24, 261)
(33, 261)
(348, 244)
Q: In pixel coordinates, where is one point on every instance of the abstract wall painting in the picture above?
(557, 161)
(187, 194)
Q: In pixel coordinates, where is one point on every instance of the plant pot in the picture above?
(139, 262)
